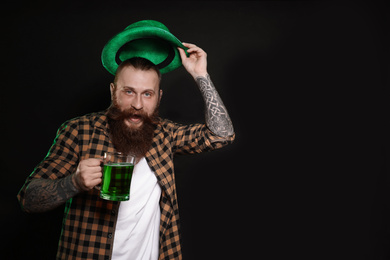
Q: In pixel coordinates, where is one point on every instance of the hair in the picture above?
(137, 63)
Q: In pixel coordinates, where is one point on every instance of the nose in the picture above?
(137, 103)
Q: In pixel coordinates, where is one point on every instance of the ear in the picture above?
(112, 90)
(161, 93)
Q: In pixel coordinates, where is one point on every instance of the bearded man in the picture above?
(146, 226)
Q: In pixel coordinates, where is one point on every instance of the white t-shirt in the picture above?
(138, 225)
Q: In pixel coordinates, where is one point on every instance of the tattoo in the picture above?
(217, 117)
(46, 194)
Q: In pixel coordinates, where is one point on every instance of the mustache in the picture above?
(117, 114)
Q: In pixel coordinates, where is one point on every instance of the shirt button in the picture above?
(109, 235)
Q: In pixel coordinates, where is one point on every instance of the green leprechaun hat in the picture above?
(147, 39)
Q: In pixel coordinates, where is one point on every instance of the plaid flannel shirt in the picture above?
(89, 222)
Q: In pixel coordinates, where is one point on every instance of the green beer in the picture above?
(116, 181)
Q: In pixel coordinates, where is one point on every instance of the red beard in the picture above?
(129, 140)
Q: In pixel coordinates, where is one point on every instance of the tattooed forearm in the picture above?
(217, 117)
(46, 194)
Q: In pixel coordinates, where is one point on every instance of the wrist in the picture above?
(200, 75)
(75, 182)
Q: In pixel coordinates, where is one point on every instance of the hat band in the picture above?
(168, 60)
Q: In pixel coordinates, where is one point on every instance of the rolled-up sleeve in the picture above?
(197, 138)
(60, 161)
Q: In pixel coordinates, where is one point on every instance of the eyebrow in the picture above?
(133, 89)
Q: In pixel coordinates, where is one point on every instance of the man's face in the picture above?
(136, 89)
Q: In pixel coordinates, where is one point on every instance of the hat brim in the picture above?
(110, 50)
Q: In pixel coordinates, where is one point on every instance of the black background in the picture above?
(304, 83)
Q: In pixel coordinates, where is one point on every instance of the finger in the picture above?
(188, 45)
(90, 168)
(96, 176)
(95, 170)
(194, 49)
(182, 53)
(92, 183)
(92, 162)
(89, 173)
(96, 182)
(88, 181)
(197, 51)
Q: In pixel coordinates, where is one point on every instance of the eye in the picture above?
(148, 94)
(129, 92)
